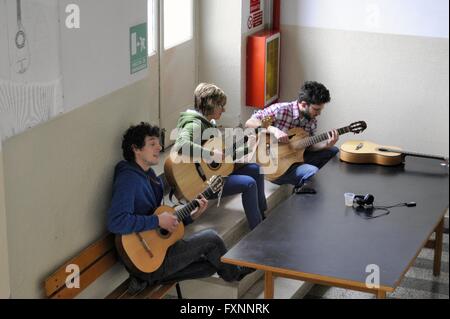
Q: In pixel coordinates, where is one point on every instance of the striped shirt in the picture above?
(286, 116)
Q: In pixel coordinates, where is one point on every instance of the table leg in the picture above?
(381, 294)
(438, 248)
(268, 285)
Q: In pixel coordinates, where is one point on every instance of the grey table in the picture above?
(316, 238)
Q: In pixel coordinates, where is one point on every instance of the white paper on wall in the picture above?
(31, 85)
(24, 105)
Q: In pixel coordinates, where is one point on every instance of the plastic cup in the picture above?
(349, 199)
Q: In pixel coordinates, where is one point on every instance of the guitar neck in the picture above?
(231, 150)
(187, 209)
(322, 137)
(414, 154)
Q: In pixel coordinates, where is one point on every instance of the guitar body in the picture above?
(293, 152)
(365, 152)
(287, 155)
(189, 178)
(136, 255)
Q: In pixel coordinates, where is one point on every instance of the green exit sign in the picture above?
(138, 48)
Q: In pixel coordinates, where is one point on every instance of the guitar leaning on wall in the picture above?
(22, 48)
(188, 177)
(365, 152)
(292, 152)
(145, 251)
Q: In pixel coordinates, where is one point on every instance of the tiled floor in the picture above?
(419, 282)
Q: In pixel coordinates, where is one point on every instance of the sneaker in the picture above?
(136, 285)
(244, 271)
(303, 189)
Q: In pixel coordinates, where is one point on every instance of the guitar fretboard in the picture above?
(304, 143)
(415, 154)
(186, 210)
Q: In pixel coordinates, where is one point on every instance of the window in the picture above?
(151, 26)
(178, 22)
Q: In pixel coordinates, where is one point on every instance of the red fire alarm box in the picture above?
(263, 68)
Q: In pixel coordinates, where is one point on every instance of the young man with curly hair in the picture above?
(138, 192)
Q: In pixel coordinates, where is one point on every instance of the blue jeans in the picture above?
(298, 174)
(248, 181)
(196, 256)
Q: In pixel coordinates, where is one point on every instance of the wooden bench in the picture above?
(93, 262)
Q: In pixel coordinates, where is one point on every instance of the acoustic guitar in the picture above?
(287, 154)
(145, 251)
(365, 152)
(188, 177)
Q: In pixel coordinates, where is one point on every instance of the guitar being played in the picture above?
(195, 127)
(145, 251)
(300, 152)
(147, 235)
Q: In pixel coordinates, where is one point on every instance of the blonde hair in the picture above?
(207, 97)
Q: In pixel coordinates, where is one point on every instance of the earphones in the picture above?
(364, 200)
(364, 204)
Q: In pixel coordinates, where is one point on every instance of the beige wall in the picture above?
(58, 180)
(398, 84)
(220, 52)
(4, 271)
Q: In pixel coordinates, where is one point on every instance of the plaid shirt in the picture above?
(286, 116)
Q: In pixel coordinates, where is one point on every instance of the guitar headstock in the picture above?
(216, 183)
(357, 127)
(266, 122)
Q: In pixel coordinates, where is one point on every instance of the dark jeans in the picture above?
(298, 174)
(196, 256)
(248, 181)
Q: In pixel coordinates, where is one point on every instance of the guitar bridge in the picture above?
(146, 247)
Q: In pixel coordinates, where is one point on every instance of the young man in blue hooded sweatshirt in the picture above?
(138, 192)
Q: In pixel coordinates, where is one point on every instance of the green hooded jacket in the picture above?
(191, 126)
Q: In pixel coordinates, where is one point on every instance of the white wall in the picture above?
(407, 17)
(4, 73)
(40, 22)
(96, 57)
(397, 83)
(4, 49)
(220, 52)
(246, 112)
(34, 96)
(58, 175)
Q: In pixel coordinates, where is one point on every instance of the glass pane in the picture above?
(178, 22)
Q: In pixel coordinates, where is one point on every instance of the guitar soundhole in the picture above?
(163, 233)
(214, 166)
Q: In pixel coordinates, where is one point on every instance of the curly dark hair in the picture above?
(136, 135)
(314, 93)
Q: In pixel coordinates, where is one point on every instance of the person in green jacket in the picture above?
(209, 104)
